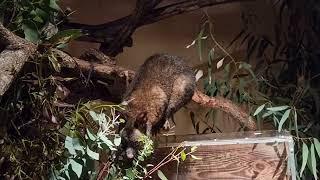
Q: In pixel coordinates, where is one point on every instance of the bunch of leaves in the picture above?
(286, 117)
(36, 21)
(290, 73)
(90, 136)
(93, 148)
(32, 19)
(30, 118)
(226, 77)
(31, 113)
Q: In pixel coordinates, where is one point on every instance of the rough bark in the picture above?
(226, 106)
(102, 70)
(14, 54)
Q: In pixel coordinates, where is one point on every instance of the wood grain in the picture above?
(261, 161)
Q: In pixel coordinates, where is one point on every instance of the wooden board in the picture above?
(237, 156)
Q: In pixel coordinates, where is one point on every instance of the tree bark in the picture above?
(226, 106)
(14, 54)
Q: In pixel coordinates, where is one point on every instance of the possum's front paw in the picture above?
(168, 126)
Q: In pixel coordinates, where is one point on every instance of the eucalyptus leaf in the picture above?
(53, 4)
(195, 157)
(117, 141)
(68, 144)
(317, 145)
(267, 114)
(220, 63)
(161, 175)
(313, 162)
(106, 141)
(259, 109)
(30, 33)
(63, 37)
(305, 154)
(76, 167)
(92, 154)
(283, 119)
(94, 115)
(278, 108)
(90, 135)
(183, 156)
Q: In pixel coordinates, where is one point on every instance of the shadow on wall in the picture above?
(170, 35)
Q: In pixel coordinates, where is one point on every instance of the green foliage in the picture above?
(31, 19)
(161, 175)
(29, 121)
(282, 88)
(226, 77)
(287, 115)
(84, 145)
(290, 74)
(93, 141)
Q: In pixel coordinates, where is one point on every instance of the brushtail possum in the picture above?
(162, 85)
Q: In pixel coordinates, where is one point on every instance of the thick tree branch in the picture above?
(115, 35)
(226, 106)
(15, 52)
(101, 70)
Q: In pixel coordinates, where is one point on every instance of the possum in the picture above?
(162, 85)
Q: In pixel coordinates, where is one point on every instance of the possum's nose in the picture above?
(130, 152)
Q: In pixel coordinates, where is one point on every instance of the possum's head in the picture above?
(131, 143)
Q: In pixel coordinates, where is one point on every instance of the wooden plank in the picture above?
(248, 155)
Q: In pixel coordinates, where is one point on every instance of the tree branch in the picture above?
(226, 106)
(115, 35)
(15, 52)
